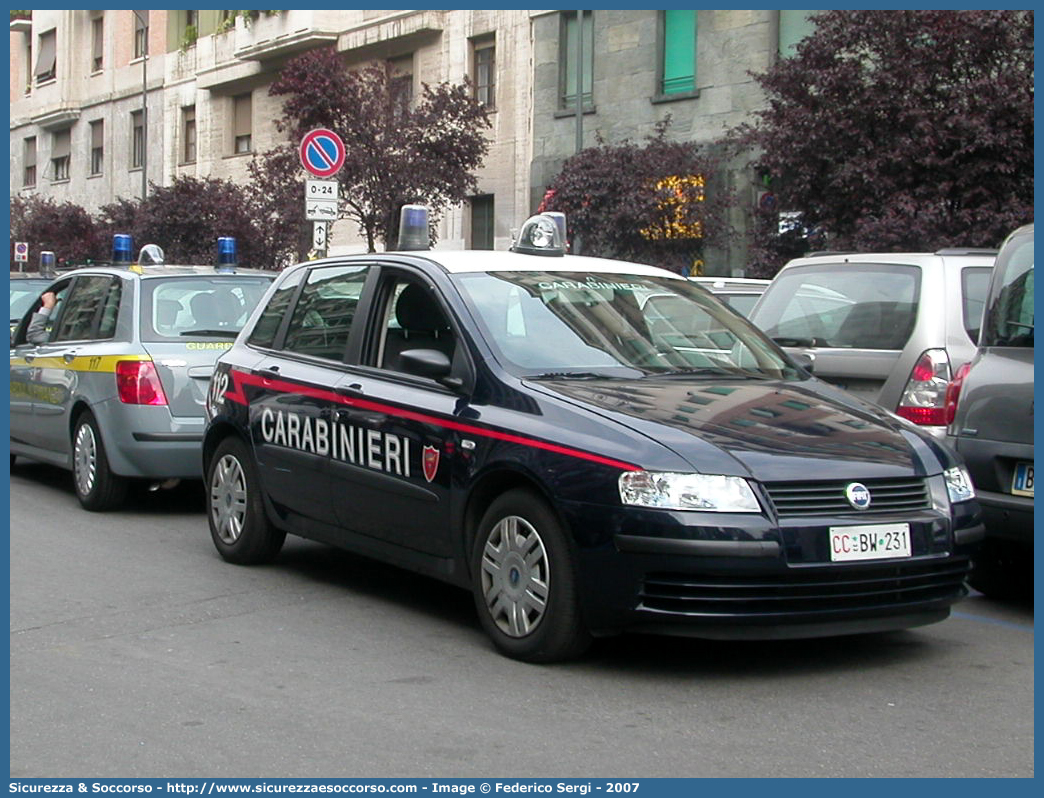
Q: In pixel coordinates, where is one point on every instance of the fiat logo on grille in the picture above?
(858, 495)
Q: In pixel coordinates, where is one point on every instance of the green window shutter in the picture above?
(793, 27)
(679, 51)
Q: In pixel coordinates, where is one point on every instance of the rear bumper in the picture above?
(150, 443)
(1007, 517)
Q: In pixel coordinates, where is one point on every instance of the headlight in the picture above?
(707, 492)
(959, 484)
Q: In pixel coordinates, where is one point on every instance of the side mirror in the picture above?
(805, 360)
(430, 363)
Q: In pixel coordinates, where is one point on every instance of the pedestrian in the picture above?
(38, 332)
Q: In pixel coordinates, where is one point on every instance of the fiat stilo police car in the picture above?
(112, 385)
(590, 446)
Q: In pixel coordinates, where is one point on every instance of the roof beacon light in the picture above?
(227, 256)
(543, 234)
(47, 263)
(121, 249)
(413, 228)
(151, 255)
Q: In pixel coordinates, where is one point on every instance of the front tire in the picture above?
(524, 581)
(97, 487)
(239, 526)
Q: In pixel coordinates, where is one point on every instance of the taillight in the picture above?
(138, 383)
(924, 397)
(953, 393)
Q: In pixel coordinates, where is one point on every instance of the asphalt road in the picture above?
(137, 652)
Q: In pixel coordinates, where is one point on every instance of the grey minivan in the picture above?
(890, 328)
(990, 406)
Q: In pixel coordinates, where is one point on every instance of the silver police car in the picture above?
(113, 389)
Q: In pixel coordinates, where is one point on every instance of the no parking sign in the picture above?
(322, 152)
(21, 252)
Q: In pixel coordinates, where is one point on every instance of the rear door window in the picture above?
(90, 313)
(324, 312)
(847, 306)
(1009, 318)
(975, 282)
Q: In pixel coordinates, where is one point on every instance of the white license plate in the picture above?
(1022, 484)
(870, 542)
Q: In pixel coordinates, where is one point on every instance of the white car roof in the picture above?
(478, 260)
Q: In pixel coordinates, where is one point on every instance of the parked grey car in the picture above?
(116, 390)
(890, 328)
(991, 415)
(739, 293)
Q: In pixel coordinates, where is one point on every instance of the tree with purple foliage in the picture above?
(654, 203)
(65, 229)
(186, 219)
(399, 149)
(900, 130)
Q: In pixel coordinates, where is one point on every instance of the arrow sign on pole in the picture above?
(322, 152)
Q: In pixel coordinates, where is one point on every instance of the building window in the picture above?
(484, 70)
(241, 123)
(97, 147)
(679, 52)
(188, 134)
(569, 50)
(29, 159)
(60, 149)
(793, 27)
(482, 222)
(28, 64)
(47, 58)
(141, 33)
(401, 83)
(97, 40)
(137, 140)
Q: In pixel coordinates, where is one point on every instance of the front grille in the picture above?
(817, 590)
(793, 499)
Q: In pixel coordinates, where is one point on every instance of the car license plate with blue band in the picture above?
(869, 542)
(1022, 484)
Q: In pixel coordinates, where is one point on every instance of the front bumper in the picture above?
(750, 578)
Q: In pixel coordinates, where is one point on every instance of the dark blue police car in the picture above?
(589, 445)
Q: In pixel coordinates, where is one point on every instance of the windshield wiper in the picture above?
(570, 375)
(215, 333)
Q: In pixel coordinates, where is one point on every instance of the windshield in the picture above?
(23, 294)
(623, 325)
(212, 306)
(1009, 318)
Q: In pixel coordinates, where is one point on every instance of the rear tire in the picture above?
(97, 487)
(239, 525)
(524, 581)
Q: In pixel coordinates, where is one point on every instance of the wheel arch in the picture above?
(213, 436)
(487, 488)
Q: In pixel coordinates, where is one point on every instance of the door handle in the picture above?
(269, 373)
(69, 357)
(30, 358)
(355, 389)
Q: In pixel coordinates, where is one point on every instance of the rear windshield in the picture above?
(849, 306)
(199, 307)
(1009, 316)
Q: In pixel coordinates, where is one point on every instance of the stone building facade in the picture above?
(79, 83)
